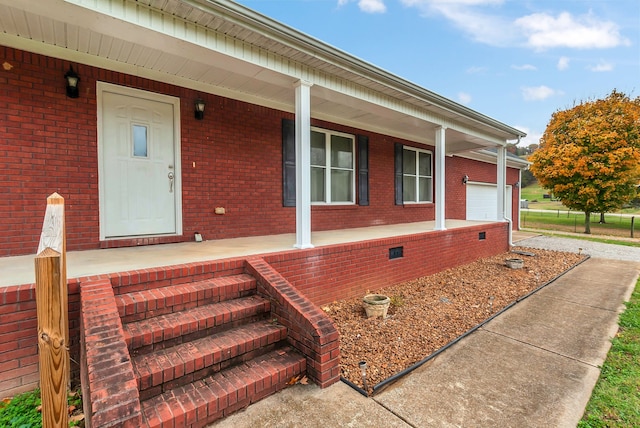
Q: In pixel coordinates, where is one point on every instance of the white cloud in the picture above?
(466, 15)
(601, 66)
(368, 6)
(533, 137)
(563, 63)
(484, 21)
(372, 6)
(524, 67)
(464, 98)
(538, 93)
(544, 31)
(476, 69)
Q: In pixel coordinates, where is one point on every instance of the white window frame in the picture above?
(328, 167)
(417, 175)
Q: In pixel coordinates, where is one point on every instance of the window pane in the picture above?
(409, 162)
(341, 152)
(140, 141)
(318, 151)
(425, 164)
(409, 189)
(425, 190)
(341, 185)
(317, 185)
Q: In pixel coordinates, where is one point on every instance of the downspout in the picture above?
(519, 197)
(510, 231)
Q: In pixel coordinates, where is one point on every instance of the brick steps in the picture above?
(204, 401)
(163, 369)
(177, 327)
(201, 350)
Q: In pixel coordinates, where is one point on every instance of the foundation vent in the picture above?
(395, 252)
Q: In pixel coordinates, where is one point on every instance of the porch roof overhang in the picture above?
(491, 155)
(223, 48)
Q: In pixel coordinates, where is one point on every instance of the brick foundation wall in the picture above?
(231, 159)
(340, 271)
(18, 337)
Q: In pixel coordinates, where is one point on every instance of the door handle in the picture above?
(170, 175)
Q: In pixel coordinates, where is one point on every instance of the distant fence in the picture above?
(53, 315)
(616, 224)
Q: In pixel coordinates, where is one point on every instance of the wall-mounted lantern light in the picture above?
(199, 108)
(465, 179)
(72, 79)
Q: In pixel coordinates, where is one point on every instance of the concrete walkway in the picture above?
(533, 366)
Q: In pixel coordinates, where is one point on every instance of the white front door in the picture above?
(139, 178)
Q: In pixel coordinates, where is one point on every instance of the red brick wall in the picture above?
(48, 143)
(481, 172)
(309, 329)
(18, 337)
(336, 272)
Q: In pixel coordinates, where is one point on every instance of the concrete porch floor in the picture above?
(19, 270)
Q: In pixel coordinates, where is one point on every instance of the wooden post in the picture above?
(53, 315)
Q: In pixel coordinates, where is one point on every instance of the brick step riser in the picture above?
(198, 334)
(169, 330)
(157, 369)
(186, 379)
(204, 401)
(164, 300)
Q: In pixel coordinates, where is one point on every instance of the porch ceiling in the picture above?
(142, 45)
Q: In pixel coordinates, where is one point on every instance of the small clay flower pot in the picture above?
(514, 263)
(376, 305)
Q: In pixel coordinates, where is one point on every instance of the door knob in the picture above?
(170, 175)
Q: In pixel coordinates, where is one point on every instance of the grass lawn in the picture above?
(615, 401)
(534, 194)
(566, 221)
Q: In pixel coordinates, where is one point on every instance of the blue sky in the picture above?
(517, 61)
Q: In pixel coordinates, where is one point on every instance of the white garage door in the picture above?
(482, 202)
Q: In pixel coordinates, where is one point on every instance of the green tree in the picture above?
(589, 155)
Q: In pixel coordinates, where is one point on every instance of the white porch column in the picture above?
(440, 178)
(502, 181)
(303, 164)
(518, 196)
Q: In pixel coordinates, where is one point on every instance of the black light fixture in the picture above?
(199, 108)
(465, 179)
(72, 79)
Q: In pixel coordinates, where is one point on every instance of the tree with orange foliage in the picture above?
(589, 155)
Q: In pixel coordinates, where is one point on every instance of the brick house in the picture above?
(295, 136)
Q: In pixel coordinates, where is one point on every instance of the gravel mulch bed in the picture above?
(429, 312)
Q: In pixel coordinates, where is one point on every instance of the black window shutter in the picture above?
(288, 163)
(399, 148)
(363, 170)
